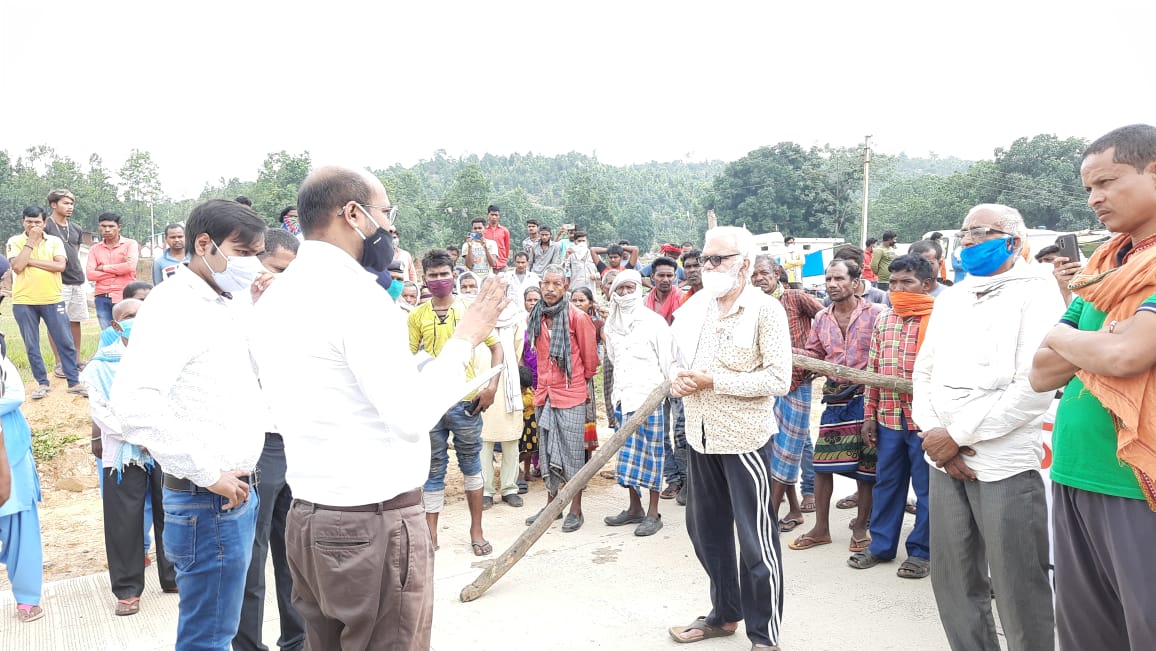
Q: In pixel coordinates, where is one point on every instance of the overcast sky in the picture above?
(210, 88)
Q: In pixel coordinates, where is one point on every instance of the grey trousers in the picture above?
(1001, 525)
(1105, 578)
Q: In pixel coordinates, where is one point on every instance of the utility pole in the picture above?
(866, 182)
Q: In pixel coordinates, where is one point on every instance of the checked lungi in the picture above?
(561, 440)
(793, 413)
(640, 459)
(840, 448)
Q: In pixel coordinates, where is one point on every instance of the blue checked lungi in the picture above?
(640, 459)
(793, 413)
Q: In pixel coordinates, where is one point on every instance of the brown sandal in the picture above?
(127, 606)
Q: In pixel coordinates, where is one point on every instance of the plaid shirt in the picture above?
(826, 341)
(892, 354)
(801, 308)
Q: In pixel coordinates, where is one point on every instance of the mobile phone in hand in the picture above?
(1069, 247)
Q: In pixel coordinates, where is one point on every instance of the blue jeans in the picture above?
(28, 319)
(900, 459)
(807, 467)
(210, 549)
(467, 431)
(103, 310)
(674, 456)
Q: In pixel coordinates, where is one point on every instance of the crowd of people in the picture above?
(491, 348)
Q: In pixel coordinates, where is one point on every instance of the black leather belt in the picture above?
(411, 498)
(102, 295)
(185, 486)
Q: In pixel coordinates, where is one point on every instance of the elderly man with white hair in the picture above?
(982, 427)
(639, 343)
(735, 343)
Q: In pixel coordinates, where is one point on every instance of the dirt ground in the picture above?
(71, 519)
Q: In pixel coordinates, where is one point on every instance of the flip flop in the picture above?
(808, 504)
(699, 624)
(859, 544)
(126, 607)
(483, 548)
(39, 392)
(805, 541)
(849, 502)
(789, 524)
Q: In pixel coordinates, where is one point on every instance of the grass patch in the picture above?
(47, 445)
(18, 354)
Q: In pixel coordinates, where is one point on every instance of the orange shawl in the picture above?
(907, 304)
(1130, 400)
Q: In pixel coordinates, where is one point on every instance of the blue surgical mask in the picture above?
(985, 258)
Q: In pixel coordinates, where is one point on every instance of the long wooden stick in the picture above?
(516, 551)
(853, 374)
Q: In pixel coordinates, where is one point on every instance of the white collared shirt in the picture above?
(643, 358)
(354, 410)
(186, 387)
(971, 375)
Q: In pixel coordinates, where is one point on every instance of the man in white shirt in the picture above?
(520, 277)
(639, 343)
(982, 428)
(194, 407)
(358, 448)
(481, 253)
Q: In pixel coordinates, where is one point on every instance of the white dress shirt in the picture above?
(335, 365)
(643, 358)
(186, 387)
(971, 375)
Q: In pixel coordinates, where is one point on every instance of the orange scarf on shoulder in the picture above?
(907, 304)
(1130, 400)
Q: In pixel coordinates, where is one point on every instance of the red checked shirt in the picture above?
(892, 354)
(801, 309)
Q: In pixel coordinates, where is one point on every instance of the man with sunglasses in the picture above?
(736, 347)
(981, 424)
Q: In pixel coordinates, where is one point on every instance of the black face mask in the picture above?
(378, 252)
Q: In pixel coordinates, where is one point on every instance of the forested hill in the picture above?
(643, 203)
(803, 191)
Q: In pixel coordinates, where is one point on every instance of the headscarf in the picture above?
(1118, 290)
(458, 285)
(559, 331)
(623, 316)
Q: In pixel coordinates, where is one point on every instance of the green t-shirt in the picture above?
(1084, 437)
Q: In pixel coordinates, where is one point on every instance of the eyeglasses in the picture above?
(390, 212)
(980, 232)
(716, 260)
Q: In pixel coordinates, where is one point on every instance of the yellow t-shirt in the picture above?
(429, 332)
(36, 286)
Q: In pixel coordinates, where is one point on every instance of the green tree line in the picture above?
(806, 192)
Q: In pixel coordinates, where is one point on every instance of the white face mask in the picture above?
(239, 272)
(626, 303)
(720, 283)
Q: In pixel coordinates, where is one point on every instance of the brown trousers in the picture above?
(362, 581)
